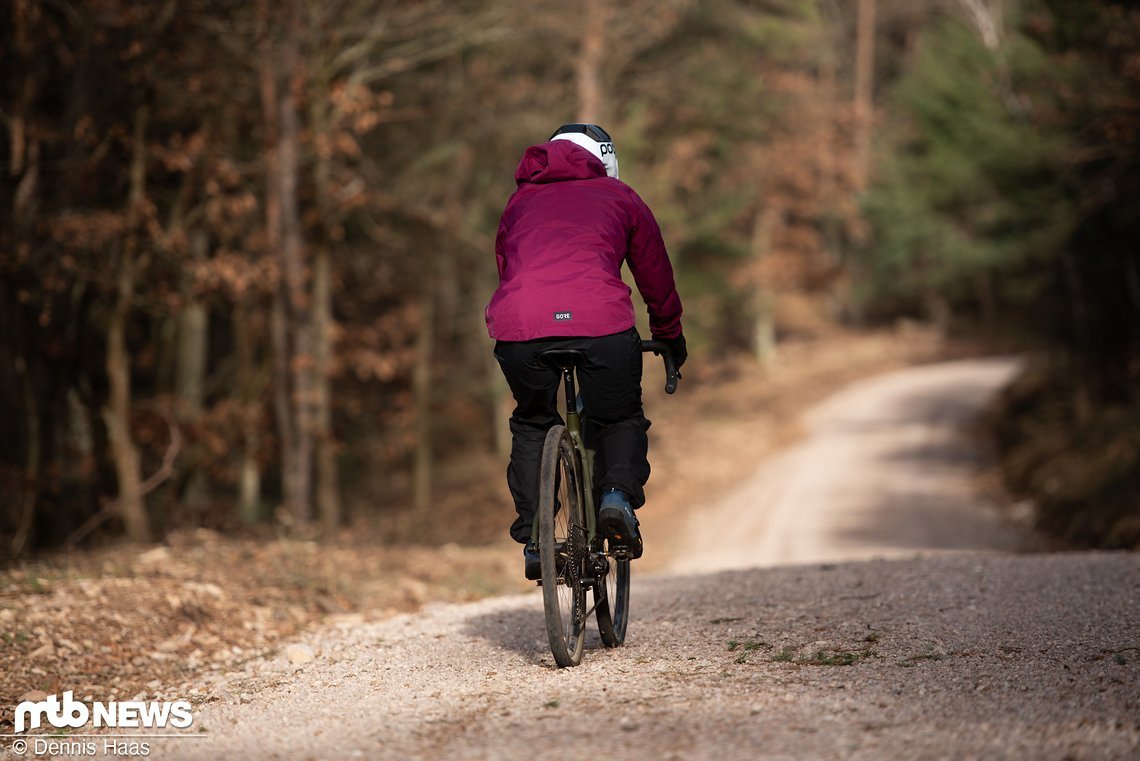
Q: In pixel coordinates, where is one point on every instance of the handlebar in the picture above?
(672, 374)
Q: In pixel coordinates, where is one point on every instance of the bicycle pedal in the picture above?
(622, 554)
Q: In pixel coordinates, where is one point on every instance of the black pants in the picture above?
(610, 385)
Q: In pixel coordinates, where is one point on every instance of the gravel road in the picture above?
(883, 471)
(856, 599)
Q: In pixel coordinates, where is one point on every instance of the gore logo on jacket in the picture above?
(561, 244)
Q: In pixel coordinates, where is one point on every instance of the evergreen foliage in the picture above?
(969, 189)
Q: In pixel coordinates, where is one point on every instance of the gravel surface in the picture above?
(967, 656)
(943, 645)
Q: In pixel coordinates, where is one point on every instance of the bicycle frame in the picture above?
(585, 456)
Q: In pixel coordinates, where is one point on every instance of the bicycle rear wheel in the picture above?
(612, 602)
(562, 547)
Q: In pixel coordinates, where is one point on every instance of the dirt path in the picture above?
(974, 653)
(883, 471)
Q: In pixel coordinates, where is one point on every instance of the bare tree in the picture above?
(193, 354)
(864, 90)
(117, 413)
(588, 66)
(986, 18)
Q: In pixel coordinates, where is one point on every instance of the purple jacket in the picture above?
(562, 240)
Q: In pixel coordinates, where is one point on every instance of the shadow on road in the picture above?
(522, 631)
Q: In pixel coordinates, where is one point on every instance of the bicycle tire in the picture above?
(562, 546)
(612, 603)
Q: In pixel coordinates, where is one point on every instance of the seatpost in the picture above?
(571, 399)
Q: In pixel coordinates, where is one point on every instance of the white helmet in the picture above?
(594, 139)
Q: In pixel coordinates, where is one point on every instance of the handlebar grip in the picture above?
(672, 374)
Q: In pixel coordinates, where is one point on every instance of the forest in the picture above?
(245, 247)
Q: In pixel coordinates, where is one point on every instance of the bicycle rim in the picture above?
(562, 547)
(612, 600)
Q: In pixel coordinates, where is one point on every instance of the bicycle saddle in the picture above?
(560, 359)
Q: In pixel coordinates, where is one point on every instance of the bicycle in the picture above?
(573, 556)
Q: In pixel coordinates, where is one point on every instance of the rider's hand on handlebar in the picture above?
(677, 347)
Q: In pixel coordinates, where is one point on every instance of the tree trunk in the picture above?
(987, 300)
(193, 328)
(79, 449)
(421, 388)
(1082, 393)
(328, 481)
(498, 396)
(117, 413)
(33, 447)
(249, 389)
(23, 170)
(501, 406)
(938, 311)
(764, 324)
(589, 63)
(328, 478)
(829, 163)
(292, 349)
(864, 90)
(987, 19)
(298, 479)
(279, 328)
(23, 145)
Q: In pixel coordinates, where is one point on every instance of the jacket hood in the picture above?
(556, 161)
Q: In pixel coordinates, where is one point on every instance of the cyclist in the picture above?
(561, 243)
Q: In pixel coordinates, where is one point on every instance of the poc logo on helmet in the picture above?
(594, 139)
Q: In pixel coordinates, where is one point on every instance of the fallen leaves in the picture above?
(123, 623)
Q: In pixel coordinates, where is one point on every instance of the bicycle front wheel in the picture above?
(562, 546)
(612, 602)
